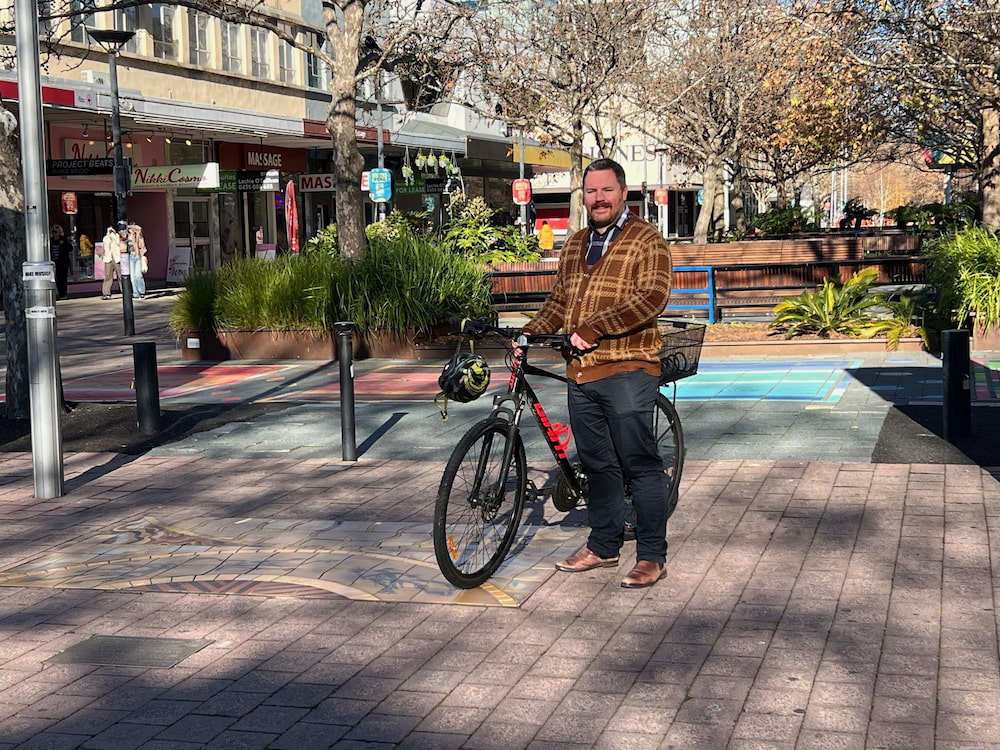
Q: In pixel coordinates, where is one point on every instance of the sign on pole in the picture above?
(522, 192)
(661, 196)
(69, 205)
(380, 185)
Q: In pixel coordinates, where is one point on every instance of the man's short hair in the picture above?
(599, 165)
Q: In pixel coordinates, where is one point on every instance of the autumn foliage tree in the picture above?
(561, 71)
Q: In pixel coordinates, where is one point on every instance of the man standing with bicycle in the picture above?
(613, 281)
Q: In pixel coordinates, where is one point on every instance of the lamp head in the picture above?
(111, 40)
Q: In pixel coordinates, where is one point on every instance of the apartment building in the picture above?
(217, 120)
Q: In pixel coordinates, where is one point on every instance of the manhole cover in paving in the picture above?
(128, 651)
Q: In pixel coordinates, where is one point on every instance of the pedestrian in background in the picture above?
(613, 281)
(138, 264)
(546, 237)
(114, 246)
(62, 256)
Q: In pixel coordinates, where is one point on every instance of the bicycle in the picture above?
(485, 485)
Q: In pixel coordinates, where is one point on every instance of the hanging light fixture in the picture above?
(187, 141)
(149, 138)
(86, 129)
(166, 138)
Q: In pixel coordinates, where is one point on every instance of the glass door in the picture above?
(191, 229)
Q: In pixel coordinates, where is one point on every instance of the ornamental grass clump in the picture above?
(964, 267)
(402, 286)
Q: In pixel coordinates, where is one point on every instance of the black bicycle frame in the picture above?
(520, 394)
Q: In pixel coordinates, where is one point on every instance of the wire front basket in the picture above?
(681, 350)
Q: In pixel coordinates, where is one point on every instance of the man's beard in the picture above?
(605, 223)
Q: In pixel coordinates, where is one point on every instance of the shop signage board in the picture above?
(79, 167)
(248, 181)
(176, 176)
(317, 183)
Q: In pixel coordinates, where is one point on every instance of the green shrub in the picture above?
(400, 286)
(472, 233)
(785, 221)
(964, 268)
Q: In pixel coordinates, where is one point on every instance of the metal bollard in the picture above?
(147, 387)
(957, 396)
(345, 356)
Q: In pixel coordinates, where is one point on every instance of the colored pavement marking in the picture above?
(823, 381)
(175, 380)
(985, 380)
(370, 561)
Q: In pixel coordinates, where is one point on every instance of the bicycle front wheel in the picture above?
(670, 441)
(479, 504)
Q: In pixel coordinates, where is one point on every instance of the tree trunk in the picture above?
(576, 209)
(989, 175)
(13, 254)
(345, 40)
(707, 217)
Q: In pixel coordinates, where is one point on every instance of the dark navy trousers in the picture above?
(612, 421)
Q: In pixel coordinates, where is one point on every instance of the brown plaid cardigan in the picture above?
(615, 303)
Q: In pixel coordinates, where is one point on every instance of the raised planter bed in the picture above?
(306, 345)
(228, 345)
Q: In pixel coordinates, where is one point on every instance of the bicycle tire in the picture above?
(474, 524)
(670, 443)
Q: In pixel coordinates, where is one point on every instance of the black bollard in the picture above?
(957, 397)
(345, 356)
(147, 387)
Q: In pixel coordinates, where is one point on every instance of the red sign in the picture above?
(660, 196)
(69, 203)
(522, 192)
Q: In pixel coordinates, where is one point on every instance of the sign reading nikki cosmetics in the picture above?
(177, 176)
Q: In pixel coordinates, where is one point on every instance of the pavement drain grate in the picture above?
(129, 651)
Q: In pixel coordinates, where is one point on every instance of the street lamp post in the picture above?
(112, 41)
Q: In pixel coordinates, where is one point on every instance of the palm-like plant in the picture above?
(834, 306)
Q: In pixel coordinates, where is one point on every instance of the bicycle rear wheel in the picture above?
(479, 505)
(670, 441)
(670, 444)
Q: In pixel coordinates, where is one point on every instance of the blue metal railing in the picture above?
(708, 290)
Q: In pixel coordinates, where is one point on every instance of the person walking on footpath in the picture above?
(137, 261)
(114, 246)
(613, 281)
(62, 256)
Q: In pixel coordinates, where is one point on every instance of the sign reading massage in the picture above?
(177, 176)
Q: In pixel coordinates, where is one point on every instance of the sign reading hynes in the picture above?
(182, 175)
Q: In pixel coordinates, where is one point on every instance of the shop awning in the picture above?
(430, 135)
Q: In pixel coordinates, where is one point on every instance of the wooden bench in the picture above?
(715, 290)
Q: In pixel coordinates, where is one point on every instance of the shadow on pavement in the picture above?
(914, 434)
(112, 428)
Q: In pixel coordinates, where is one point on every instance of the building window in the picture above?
(286, 62)
(162, 31)
(260, 62)
(127, 19)
(314, 71)
(231, 47)
(82, 18)
(198, 53)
